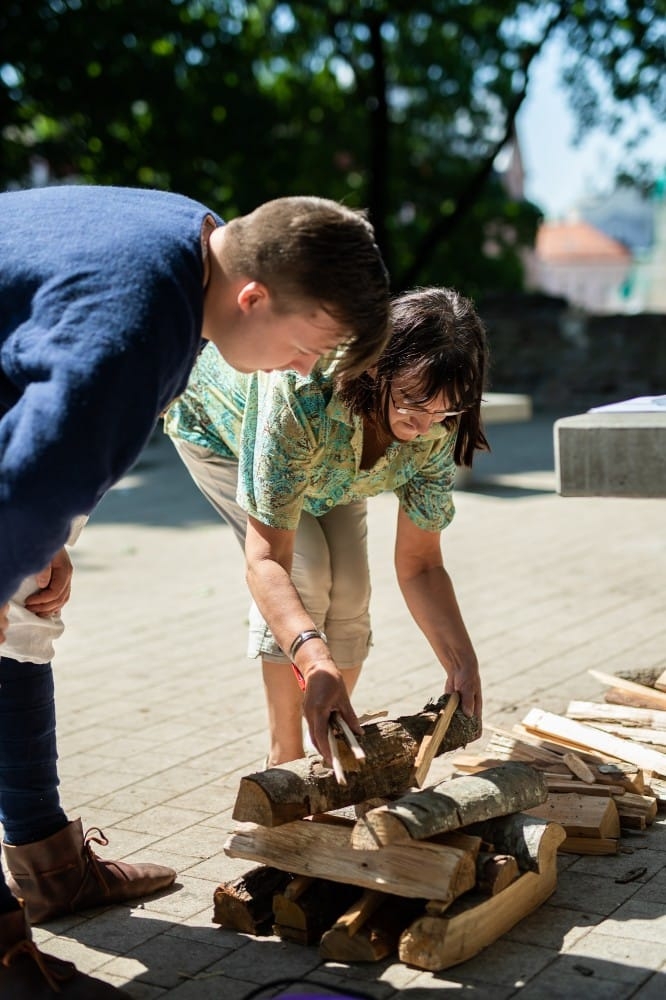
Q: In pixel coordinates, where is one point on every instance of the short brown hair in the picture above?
(305, 248)
(439, 341)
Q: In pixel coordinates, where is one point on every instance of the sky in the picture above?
(557, 175)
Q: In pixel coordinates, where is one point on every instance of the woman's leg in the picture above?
(330, 572)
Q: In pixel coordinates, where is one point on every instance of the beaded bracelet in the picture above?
(302, 637)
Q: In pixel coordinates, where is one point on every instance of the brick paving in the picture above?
(160, 714)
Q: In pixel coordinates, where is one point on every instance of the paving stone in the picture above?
(158, 723)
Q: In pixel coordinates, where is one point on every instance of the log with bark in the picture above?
(474, 922)
(246, 903)
(415, 870)
(450, 804)
(303, 787)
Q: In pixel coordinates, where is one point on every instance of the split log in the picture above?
(376, 936)
(660, 682)
(583, 788)
(581, 815)
(578, 767)
(451, 804)
(303, 787)
(642, 696)
(246, 903)
(436, 943)
(415, 870)
(494, 872)
(577, 733)
(303, 916)
(590, 845)
(624, 715)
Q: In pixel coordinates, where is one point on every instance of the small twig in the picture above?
(338, 770)
(354, 745)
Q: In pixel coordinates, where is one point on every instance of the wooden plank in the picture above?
(549, 724)
(624, 715)
(436, 943)
(303, 787)
(580, 815)
(590, 845)
(451, 804)
(583, 788)
(432, 741)
(655, 738)
(415, 870)
(650, 697)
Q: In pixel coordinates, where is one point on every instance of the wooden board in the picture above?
(415, 870)
(624, 715)
(548, 724)
(649, 697)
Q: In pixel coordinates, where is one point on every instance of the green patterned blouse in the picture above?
(299, 447)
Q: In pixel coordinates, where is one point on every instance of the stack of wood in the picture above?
(380, 864)
(604, 763)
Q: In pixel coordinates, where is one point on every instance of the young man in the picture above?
(105, 295)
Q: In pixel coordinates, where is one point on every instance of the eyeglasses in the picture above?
(422, 411)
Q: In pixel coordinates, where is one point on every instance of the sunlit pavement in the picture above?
(160, 714)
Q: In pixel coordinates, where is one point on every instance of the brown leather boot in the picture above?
(62, 874)
(26, 973)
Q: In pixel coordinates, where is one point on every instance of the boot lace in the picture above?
(54, 970)
(96, 864)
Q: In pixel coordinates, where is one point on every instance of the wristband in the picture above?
(303, 637)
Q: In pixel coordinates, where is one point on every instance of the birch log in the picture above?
(451, 804)
(304, 787)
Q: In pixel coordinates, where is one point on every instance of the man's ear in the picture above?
(251, 295)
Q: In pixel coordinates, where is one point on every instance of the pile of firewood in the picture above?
(604, 763)
(379, 864)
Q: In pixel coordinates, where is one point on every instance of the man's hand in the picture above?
(4, 621)
(325, 692)
(54, 582)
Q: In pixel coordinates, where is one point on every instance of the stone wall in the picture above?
(569, 361)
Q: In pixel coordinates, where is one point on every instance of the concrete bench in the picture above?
(611, 455)
(498, 408)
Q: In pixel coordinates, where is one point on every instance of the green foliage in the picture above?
(400, 107)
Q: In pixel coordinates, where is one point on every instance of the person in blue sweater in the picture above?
(105, 297)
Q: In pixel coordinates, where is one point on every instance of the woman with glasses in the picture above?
(289, 462)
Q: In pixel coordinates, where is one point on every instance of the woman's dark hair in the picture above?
(439, 344)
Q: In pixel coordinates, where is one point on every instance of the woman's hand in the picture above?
(466, 680)
(325, 693)
(54, 583)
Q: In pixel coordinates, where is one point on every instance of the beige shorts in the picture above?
(330, 566)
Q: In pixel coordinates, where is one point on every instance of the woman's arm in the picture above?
(269, 553)
(428, 592)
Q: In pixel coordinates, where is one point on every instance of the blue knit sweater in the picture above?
(101, 301)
